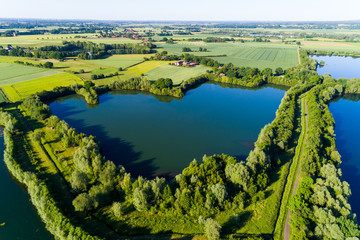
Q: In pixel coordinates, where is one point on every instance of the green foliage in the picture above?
(140, 200)
(52, 215)
(321, 198)
(212, 229)
(79, 180)
(117, 209)
(163, 83)
(48, 65)
(84, 202)
(35, 108)
(37, 136)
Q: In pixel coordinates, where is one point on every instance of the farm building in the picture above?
(182, 63)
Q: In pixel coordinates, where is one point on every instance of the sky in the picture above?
(188, 10)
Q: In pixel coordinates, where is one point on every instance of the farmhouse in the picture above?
(179, 63)
(183, 63)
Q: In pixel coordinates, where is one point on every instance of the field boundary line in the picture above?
(135, 64)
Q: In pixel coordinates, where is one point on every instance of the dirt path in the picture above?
(298, 52)
(287, 223)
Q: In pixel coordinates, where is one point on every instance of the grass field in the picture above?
(15, 73)
(261, 55)
(147, 66)
(19, 91)
(123, 61)
(177, 74)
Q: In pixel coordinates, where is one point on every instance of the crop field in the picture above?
(18, 91)
(339, 47)
(147, 66)
(14, 73)
(123, 61)
(177, 74)
(261, 55)
(56, 39)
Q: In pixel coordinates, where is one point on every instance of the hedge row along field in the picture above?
(122, 61)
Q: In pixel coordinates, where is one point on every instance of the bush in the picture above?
(212, 229)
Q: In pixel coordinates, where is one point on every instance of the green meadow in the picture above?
(21, 90)
(15, 73)
(123, 61)
(177, 74)
(261, 55)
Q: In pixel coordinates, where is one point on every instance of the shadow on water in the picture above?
(229, 85)
(166, 99)
(117, 150)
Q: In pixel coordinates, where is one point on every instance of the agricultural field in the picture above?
(71, 65)
(15, 73)
(261, 55)
(19, 91)
(123, 61)
(339, 47)
(147, 66)
(177, 74)
(56, 39)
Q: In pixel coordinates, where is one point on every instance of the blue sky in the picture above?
(223, 10)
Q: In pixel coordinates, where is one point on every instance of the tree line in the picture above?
(320, 208)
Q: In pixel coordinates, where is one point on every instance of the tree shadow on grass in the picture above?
(236, 222)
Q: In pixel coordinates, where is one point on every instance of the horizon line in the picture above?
(174, 20)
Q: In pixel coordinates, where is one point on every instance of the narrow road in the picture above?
(287, 223)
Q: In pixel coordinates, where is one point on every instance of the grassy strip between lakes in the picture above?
(280, 224)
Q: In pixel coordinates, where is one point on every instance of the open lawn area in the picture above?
(177, 74)
(261, 55)
(15, 73)
(19, 91)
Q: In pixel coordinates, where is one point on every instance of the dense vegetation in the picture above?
(40, 192)
(208, 189)
(80, 49)
(219, 183)
(320, 208)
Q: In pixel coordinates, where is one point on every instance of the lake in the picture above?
(17, 212)
(159, 136)
(347, 118)
(339, 66)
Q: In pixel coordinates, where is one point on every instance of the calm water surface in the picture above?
(16, 211)
(347, 118)
(339, 66)
(152, 137)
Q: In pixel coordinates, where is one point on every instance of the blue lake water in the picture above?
(150, 137)
(21, 221)
(339, 66)
(347, 118)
